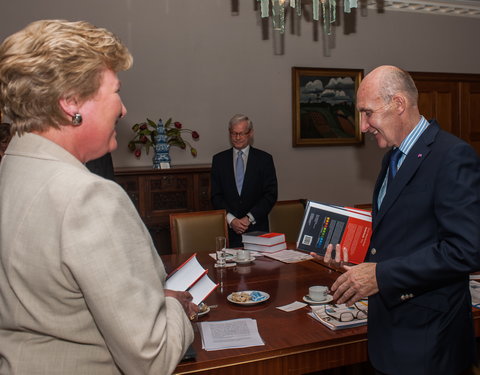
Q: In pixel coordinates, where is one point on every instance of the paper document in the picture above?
(229, 334)
(289, 256)
(292, 306)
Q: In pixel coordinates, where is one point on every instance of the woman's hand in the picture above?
(185, 299)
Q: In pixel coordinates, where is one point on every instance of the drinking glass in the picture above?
(220, 244)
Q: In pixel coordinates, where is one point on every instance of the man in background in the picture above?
(244, 182)
(103, 166)
(425, 240)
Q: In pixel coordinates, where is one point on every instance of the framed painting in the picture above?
(324, 110)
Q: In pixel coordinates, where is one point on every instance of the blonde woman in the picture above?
(81, 285)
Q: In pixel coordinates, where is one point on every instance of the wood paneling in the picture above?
(453, 100)
(157, 193)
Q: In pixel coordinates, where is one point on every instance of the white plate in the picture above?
(243, 261)
(310, 301)
(247, 303)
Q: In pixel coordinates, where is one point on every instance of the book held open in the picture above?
(191, 276)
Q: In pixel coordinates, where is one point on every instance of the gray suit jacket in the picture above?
(81, 285)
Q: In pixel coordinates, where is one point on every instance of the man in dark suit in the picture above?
(244, 182)
(425, 240)
(103, 166)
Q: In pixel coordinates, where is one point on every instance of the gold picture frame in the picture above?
(323, 106)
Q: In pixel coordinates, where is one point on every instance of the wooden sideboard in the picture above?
(159, 192)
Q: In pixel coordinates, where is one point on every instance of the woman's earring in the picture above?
(77, 119)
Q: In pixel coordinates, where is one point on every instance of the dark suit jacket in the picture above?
(103, 166)
(259, 192)
(426, 240)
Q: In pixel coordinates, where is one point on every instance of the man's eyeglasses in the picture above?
(240, 134)
(356, 312)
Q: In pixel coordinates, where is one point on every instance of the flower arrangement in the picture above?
(145, 133)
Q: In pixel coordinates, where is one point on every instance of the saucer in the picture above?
(310, 301)
(243, 261)
(205, 311)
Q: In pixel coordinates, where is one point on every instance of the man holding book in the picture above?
(244, 182)
(425, 240)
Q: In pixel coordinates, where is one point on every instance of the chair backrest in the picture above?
(196, 231)
(286, 217)
(364, 206)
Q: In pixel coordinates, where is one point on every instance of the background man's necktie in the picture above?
(239, 171)
(392, 168)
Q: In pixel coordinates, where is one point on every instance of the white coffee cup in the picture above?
(243, 254)
(318, 293)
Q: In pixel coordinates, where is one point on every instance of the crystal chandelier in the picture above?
(327, 8)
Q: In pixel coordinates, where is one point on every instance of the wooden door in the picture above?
(470, 114)
(439, 99)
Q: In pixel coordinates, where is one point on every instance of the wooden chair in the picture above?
(286, 217)
(364, 206)
(196, 231)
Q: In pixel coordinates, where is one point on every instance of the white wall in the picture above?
(198, 63)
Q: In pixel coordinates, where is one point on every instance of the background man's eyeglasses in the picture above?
(241, 134)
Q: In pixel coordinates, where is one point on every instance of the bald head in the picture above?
(389, 80)
(387, 101)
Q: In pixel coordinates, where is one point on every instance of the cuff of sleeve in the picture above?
(230, 218)
(251, 218)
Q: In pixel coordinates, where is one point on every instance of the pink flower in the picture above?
(195, 135)
(143, 126)
(138, 152)
(143, 139)
(177, 124)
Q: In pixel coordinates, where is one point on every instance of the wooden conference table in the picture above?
(295, 343)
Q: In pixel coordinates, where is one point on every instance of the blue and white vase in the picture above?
(161, 158)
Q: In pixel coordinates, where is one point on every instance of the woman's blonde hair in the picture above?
(53, 59)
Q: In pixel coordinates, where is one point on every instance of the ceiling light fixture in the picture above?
(326, 7)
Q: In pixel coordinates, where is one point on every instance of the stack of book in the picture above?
(264, 242)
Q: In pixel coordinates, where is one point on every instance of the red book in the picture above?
(191, 276)
(326, 224)
(263, 238)
(265, 248)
